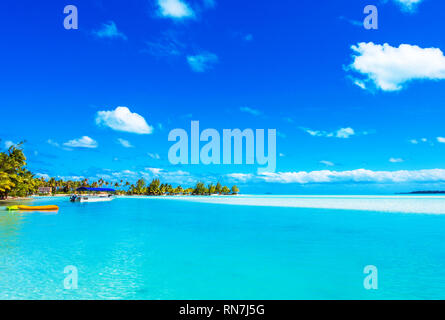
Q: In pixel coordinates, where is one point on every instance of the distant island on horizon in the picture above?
(424, 192)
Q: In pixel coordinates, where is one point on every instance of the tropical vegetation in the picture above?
(17, 181)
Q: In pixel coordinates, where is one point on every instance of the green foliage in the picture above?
(178, 190)
(218, 188)
(225, 190)
(212, 189)
(154, 188)
(200, 189)
(17, 181)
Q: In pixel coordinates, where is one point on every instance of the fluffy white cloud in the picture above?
(84, 142)
(243, 177)
(441, 139)
(122, 119)
(359, 175)
(345, 133)
(390, 68)
(396, 160)
(342, 133)
(109, 30)
(155, 171)
(125, 143)
(408, 5)
(202, 62)
(176, 9)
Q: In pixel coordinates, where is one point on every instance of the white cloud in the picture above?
(252, 111)
(175, 9)
(390, 68)
(342, 133)
(359, 175)
(408, 5)
(345, 133)
(417, 141)
(155, 171)
(125, 143)
(396, 160)
(242, 177)
(43, 175)
(84, 142)
(122, 119)
(441, 139)
(360, 84)
(327, 163)
(109, 30)
(202, 62)
(124, 174)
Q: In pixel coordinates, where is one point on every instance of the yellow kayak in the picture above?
(34, 208)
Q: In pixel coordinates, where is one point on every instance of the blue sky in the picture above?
(356, 110)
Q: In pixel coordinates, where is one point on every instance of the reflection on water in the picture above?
(155, 248)
(10, 225)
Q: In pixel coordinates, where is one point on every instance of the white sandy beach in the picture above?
(402, 204)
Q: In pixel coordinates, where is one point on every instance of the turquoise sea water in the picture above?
(151, 248)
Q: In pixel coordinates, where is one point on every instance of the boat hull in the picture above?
(93, 199)
(34, 208)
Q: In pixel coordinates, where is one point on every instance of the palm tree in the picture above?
(212, 189)
(218, 188)
(200, 189)
(178, 190)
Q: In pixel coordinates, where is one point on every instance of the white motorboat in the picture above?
(91, 198)
(101, 195)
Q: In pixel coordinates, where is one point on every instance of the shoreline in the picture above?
(384, 204)
(15, 199)
(420, 204)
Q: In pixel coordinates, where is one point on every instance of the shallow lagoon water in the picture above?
(165, 248)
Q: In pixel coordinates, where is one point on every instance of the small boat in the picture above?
(104, 195)
(33, 208)
(91, 198)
